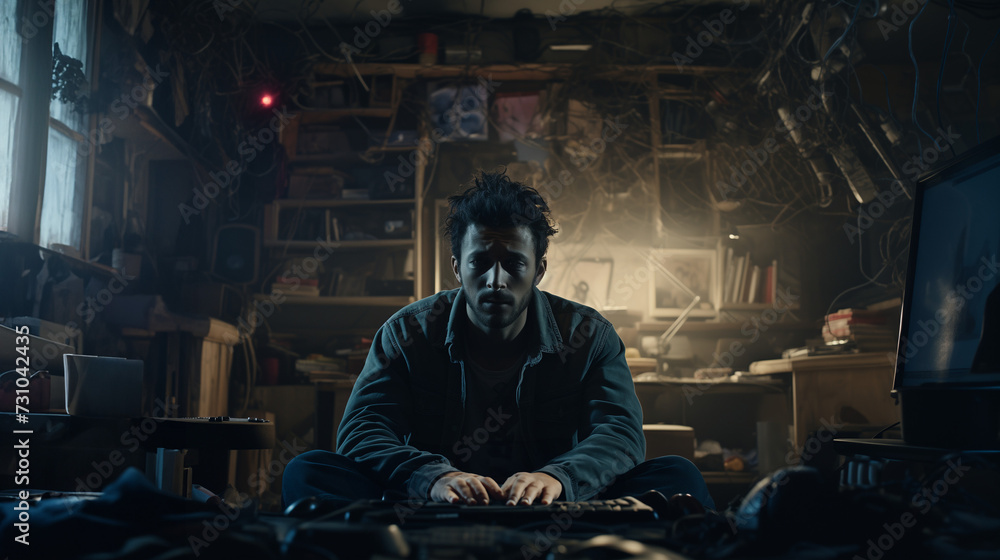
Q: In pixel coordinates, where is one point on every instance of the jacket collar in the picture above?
(541, 321)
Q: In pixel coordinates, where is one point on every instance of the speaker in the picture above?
(235, 255)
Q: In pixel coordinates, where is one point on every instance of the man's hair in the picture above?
(497, 202)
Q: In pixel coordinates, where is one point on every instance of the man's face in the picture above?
(497, 272)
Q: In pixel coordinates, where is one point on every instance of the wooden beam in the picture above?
(523, 72)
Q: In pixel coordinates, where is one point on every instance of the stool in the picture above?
(214, 438)
(668, 439)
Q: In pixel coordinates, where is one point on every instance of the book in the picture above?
(752, 293)
(727, 284)
(326, 376)
(734, 294)
(770, 287)
(885, 340)
(744, 282)
(317, 363)
(864, 329)
(745, 292)
(856, 330)
(355, 194)
(887, 305)
(289, 282)
(850, 316)
(334, 229)
(302, 291)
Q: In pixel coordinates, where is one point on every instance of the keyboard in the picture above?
(603, 512)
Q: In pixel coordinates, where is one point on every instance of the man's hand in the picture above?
(459, 487)
(524, 488)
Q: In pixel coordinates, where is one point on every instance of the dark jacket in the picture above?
(579, 416)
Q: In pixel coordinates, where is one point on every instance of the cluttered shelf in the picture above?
(338, 202)
(355, 157)
(719, 326)
(732, 306)
(741, 383)
(843, 361)
(313, 116)
(521, 71)
(341, 245)
(341, 223)
(362, 301)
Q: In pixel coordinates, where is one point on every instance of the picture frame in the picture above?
(585, 274)
(697, 269)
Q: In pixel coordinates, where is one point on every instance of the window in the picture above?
(63, 189)
(10, 95)
(65, 182)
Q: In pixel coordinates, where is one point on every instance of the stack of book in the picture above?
(747, 282)
(294, 286)
(868, 330)
(323, 368)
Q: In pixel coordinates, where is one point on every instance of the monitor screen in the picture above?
(949, 324)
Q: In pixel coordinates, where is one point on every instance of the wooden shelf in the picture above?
(528, 72)
(690, 152)
(407, 148)
(360, 301)
(675, 93)
(320, 116)
(733, 306)
(338, 202)
(342, 245)
(831, 362)
(327, 160)
(355, 157)
(729, 477)
(761, 386)
(716, 326)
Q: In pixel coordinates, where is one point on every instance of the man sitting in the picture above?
(495, 392)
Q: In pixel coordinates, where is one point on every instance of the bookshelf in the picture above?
(747, 281)
(350, 223)
(365, 301)
(759, 270)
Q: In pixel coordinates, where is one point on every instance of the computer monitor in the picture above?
(947, 375)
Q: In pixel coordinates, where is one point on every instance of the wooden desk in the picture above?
(825, 387)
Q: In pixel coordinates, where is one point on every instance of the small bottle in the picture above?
(427, 44)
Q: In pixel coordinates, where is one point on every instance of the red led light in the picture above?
(266, 100)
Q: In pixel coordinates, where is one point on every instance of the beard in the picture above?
(501, 317)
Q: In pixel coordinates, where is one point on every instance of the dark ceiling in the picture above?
(360, 10)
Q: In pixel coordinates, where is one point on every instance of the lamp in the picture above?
(663, 343)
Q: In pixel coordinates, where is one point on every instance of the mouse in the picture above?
(681, 505)
(671, 509)
(312, 506)
(654, 499)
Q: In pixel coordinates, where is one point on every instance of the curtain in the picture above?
(62, 200)
(62, 196)
(70, 31)
(10, 62)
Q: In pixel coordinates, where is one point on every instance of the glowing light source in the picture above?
(266, 100)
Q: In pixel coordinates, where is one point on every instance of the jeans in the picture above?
(334, 477)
